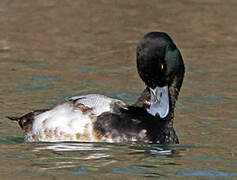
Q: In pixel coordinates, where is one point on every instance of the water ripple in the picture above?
(207, 173)
(70, 147)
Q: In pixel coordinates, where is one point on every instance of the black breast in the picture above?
(134, 123)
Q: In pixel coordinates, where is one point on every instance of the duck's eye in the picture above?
(162, 66)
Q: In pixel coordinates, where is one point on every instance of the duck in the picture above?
(98, 118)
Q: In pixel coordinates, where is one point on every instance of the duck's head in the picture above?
(161, 67)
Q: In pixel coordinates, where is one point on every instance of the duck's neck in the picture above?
(144, 100)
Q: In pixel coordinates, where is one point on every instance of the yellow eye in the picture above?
(162, 66)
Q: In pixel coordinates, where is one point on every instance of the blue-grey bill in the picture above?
(159, 101)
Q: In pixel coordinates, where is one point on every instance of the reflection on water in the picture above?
(52, 50)
(70, 147)
(92, 157)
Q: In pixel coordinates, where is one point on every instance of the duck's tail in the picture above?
(18, 119)
(25, 121)
(14, 118)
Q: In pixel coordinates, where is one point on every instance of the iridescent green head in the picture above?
(160, 65)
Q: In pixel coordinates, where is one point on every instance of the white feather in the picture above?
(65, 122)
(98, 103)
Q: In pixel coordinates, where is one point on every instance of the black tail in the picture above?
(13, 118)
(26, 120)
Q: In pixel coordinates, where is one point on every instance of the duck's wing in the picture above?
(97, 103)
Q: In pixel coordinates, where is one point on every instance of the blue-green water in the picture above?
(52, 50)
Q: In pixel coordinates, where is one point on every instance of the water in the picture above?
(51, 50)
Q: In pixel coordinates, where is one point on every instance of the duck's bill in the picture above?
(159, 101)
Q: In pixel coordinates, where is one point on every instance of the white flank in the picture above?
(66, 122)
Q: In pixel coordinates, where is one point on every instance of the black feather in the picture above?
(26, 120)
(13, 118)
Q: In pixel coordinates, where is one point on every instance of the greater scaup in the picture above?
(97, 118)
